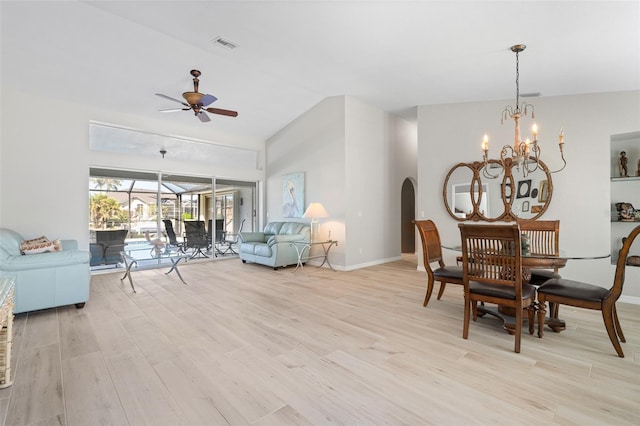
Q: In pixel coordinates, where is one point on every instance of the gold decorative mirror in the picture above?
(497, 191)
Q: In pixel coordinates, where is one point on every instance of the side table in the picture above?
(301, 246)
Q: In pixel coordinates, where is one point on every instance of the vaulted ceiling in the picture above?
(291, 55)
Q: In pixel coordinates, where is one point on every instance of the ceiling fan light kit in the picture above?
(197, 102)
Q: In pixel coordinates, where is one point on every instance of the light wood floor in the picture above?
(243, 344)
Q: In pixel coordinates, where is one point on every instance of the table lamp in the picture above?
(314, 212)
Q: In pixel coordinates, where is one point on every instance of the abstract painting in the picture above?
(293, 195)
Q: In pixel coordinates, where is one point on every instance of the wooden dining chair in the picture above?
(544, 239)
(492, 273)
(432, 253)
(560, 291)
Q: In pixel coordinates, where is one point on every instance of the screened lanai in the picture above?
(126, 204)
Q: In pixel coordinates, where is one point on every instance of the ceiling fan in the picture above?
(197, 102)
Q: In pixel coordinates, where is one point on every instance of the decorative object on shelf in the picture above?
(626, 212)
(536, 209)
(523, 154)
(631, 260)
(525, 206)
(314, 212)
(622, 164)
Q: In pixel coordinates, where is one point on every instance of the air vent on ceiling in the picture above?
(530, 95)
(224, 43)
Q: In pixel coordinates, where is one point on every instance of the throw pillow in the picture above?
(41, 247)
(42, 239)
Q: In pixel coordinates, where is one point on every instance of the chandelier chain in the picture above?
(517, 81)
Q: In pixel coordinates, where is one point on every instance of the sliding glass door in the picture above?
(132, 205)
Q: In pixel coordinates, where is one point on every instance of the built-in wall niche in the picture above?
(625, 189)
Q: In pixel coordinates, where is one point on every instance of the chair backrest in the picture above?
(544, 236)
(237, 234)
(220, 234)
(431, 245)
(168, 228)
(195, 233)
(618, 281)
(492, 254)
(112, 236)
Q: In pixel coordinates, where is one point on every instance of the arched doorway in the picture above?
(407, 216)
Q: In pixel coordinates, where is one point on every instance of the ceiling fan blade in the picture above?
(174, 109)
(173, 99)
(203, 117)
(223, 112)
(208, 100)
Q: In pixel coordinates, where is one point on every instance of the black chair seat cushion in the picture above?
(540, 276)
(574, 289)
(501, 291)
(448, 272)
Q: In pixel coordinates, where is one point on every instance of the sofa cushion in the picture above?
(45, 260)
(272, 228)
(291, 228)
(262, 250)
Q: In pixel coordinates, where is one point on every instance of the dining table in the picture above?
(531, 261)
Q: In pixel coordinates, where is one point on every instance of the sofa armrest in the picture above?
(246, 237)
(69, 244)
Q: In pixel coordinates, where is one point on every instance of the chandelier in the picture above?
(525, 154)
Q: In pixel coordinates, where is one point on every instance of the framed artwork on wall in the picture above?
(543, 193)
(524, 188)
(293, 195)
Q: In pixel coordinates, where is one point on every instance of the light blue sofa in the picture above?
(273, 246)
(45, 280)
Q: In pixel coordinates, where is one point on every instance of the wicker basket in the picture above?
(7, 284)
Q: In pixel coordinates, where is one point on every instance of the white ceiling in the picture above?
(291, 55)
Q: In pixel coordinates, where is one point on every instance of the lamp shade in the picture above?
(315, 211)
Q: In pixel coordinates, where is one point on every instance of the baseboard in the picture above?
(629, 299)
(372, 263)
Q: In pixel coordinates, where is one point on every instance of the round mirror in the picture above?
(460, 198)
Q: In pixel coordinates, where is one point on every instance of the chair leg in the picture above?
(443, 285)
(518, 326)
(531, 312)
(429, 291)
(541, 314)
(618, 328)
(467, 314)
(607, 315)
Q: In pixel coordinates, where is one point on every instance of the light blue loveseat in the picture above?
(273, 246)
(45, 280)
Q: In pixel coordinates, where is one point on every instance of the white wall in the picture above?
(452, 133)
(355, 158)
(313, 144)
(45, 160)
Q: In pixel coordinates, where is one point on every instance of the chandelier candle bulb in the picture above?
(534, 130)
(485, 143)
(561, 137)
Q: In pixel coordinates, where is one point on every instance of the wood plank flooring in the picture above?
(243, 344)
